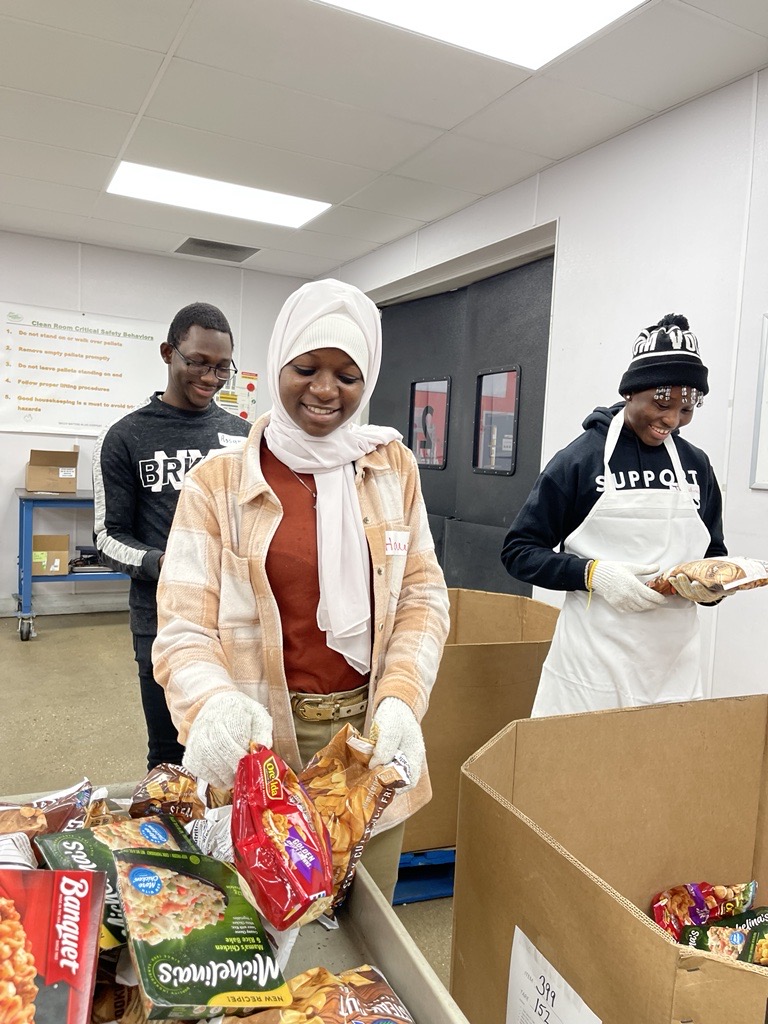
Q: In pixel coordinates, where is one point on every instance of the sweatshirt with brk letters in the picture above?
(139, 464)
(570, 485)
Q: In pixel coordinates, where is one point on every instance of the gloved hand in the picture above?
(221, 734)
(395, 728)
(618, 584)
(692, 590)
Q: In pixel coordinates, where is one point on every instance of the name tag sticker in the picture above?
(396, 542)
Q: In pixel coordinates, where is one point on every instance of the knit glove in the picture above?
(221, 734)
(617, 583)
(395, 728)
(692, 590)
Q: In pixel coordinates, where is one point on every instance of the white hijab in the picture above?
(344, 611)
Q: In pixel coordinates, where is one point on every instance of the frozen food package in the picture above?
(350, 797)
(197, 944)
(168, 789)
(722, 574)
(281, 845)
(49, 922)
(699, 903)
(361, 996)
(728, 936)
(91, 850)
(55, 812)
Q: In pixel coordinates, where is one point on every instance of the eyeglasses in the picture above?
(198, 369)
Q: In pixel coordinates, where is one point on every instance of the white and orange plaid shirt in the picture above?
(219, 624)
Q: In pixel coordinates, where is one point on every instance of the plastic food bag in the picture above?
(168, 789)
(350, 797)
(723, 574)
(281, 845)
(700, 903)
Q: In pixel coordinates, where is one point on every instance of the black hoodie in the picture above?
(571, 483)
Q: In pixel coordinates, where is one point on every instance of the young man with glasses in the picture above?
(139, 464)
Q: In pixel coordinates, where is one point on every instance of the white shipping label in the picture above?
(537, 994)
(396, 542)
(67, 472)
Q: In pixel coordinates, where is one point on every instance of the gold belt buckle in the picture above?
(319, 709)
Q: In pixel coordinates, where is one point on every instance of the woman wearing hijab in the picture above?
(625, 500)
(300, 589)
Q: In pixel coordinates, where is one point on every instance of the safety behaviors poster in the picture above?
(73, 373)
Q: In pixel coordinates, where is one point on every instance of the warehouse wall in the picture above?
(87, 278)
(671, 216)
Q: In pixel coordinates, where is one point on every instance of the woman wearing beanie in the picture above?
(300, 589)
(625, 500)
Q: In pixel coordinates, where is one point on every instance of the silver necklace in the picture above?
(306, 487)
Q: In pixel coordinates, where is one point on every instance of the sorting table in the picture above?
(28, 502)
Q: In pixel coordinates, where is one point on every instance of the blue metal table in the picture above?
(28, 502)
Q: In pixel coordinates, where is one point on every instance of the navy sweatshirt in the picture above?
(139, 464)
(571, 483)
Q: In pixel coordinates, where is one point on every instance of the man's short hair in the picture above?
(202, 314)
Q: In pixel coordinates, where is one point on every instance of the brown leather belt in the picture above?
(329, 707)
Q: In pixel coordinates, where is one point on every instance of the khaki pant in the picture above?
(381, 858)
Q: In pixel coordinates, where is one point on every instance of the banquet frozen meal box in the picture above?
(568, 829)
(49, 931)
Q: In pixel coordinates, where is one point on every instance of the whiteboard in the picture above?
(759, 478)
(73, 373)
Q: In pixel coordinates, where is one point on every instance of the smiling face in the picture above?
(653, 420)
(187, 390)
(321, 389)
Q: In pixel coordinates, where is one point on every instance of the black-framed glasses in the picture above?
(198, 369)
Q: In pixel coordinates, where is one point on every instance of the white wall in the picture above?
(86, 278)
(669, 217)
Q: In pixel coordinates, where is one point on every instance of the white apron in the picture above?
(602, 658)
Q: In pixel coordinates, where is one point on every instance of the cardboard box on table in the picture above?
(488, 677)
(52, 472)
(50, 554)
(569, 826)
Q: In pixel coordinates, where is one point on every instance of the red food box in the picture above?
(49, 932)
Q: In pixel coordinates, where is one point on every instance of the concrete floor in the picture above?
(70, 700)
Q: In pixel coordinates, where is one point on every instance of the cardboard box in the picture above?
(53, 472)
(50, 554)
(488, 677)
(569, 826)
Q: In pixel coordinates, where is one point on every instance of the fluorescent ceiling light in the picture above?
(156, 185)
(528, 34)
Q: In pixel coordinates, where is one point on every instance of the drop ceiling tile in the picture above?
(231, 104)
(365, 224)
(271, 261)
(406, 197)
(73, 67)
(31, 220)
(143, 23)
(80, 126)
(52, 163)
(46, 195)
(545, 116)
(332, 53)
(210, 155)
(478, 167)
(315, 243)
(129, 236)
(699, 54)
(749, 14)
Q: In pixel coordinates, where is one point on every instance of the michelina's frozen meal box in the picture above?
(90, 849)
(197, 944)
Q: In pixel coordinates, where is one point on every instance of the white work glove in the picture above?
(221, 734)
(617, 583)
(692, 590)
(395, 728)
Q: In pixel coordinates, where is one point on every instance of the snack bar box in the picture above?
(569, 826)
(49, 922)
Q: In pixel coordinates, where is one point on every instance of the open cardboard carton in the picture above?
(53, 472)
(569, 826)
(488, 677)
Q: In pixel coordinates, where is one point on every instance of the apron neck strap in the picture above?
(611, 441)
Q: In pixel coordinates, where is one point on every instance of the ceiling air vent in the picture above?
(209, 250)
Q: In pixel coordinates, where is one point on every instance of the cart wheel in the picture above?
(25, 629)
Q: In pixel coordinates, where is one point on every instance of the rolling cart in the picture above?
(28, 502)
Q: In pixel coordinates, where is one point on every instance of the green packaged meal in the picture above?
(91, 849)
(741, 937)
(195, 941)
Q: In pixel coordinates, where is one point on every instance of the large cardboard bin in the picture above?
(569, 826)
(487, 678)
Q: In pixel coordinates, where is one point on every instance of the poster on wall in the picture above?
(73, 373)
(239, 395)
